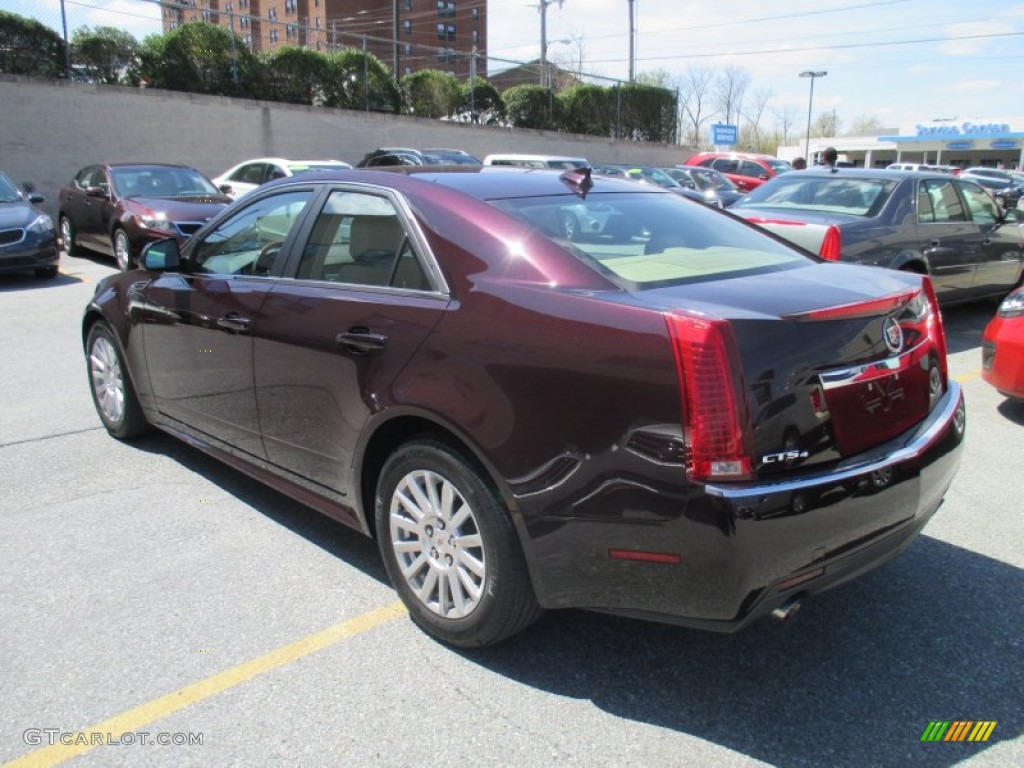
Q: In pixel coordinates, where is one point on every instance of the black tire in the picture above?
(479, 551)
(47, 273)
(67, 234)
(111, 387)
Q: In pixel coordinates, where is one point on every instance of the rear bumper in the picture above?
(746, 549)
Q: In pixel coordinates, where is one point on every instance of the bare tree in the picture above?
(866, 126)
(729, 89)
(826, 124)
(695, 100)
(785, 119)
(756, 108)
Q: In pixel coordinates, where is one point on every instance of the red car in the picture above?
(744, 169)
(117, 209)
(676, 416)
(1002, 348)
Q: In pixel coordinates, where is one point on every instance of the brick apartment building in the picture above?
(407, 35)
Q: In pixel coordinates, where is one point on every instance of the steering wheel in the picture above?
(266, 258)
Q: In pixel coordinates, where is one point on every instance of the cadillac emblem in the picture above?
(893, 335)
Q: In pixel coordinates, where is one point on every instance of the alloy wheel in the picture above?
(107, 379)
(122, 250)
(438, 544)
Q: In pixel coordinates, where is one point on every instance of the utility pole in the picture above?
(543, 7)
(67, 44)
(632, 41)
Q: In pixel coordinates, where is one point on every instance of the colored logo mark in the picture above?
(958, 730)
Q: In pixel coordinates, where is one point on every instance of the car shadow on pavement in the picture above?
(331, 536)
(965, 323)
(853, 680)
(26, 281)
(1013, 410)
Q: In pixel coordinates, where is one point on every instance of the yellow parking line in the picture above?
(150, 712)
(965, 377)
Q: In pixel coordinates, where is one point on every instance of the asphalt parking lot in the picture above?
(149, 594)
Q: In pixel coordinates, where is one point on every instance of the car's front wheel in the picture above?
(450, 547)
(122, 250)
(112, 391)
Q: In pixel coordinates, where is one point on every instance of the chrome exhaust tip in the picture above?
(787, 609)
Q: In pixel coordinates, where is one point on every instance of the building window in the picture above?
(407, 27)
(451, 9)
(406, 4)
(476, 14)
(408, 49)
(451, 31)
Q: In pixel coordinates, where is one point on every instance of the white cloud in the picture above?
(972, 29)
(971, 86)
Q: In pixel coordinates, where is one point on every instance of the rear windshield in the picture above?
(827, 194)
(648, 240)
(779, 166)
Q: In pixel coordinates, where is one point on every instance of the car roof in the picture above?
(864, 173)
(479, 181)
(143, 165)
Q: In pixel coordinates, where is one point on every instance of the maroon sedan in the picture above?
(117, 209)
(673, 416)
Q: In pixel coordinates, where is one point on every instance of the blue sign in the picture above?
(724, 135)
(1004, 145)
(960, 145)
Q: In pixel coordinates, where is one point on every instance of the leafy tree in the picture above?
(358, 80)
(296, 75)
(431, 93)
(588, 109)
(106, 54)
(531, 106)
(201, 58)
(483, 98)
(647, 113)
(28, 47)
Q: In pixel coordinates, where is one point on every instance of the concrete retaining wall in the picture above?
(49, 130)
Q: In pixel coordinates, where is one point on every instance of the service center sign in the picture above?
(724, 135)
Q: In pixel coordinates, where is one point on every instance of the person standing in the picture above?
(829, 158)
(799, 164)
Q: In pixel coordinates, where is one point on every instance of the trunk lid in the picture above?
(833, 359)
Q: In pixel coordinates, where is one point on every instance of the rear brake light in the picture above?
(936, 333)
(830, 246)
(714, 406)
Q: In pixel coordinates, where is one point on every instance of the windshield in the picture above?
(707, 179)
(832, 194)
(297, 168)
(655, 176)
(8, 192)
(779, 166)
(646, 240)
(151, 181)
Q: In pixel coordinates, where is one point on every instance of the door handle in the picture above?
(360, 341)
(234, 323)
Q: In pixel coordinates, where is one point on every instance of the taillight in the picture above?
(936, 333)
(714, 406)
(830, 245)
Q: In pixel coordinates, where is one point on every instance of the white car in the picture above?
(246, 176)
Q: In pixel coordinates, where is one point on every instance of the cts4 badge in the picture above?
(783, 456)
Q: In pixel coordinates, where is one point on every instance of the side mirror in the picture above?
(226, 189)
(161, 256)
(36, 198)
(96, 192)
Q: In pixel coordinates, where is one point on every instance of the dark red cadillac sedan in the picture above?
(672, 416)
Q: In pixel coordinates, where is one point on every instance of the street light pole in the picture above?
(810, 106)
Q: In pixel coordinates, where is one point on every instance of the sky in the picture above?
(899, 61)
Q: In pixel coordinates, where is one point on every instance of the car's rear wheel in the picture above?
(67, 236)
(112, 391)
(570, 226)
(450, 547)
(47, 273)
(122, 250)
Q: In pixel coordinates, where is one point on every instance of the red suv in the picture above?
(745, 170)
